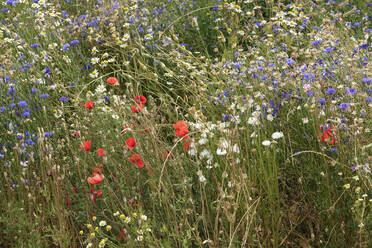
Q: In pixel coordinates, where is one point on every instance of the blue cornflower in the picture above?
(259, 24)
(22, 104)
(366, 80)
(44, 96)
(334, 150)
(330, 91)
(11, 91)
(2, 109)
(321, 101)
(30, 142)
(12, 105)
(19, 137)
(344, 105)
(328, 50)
(369, 99)
(290, 61)
(35, 45)
(48, 134)
(65, 47)
(74, 42)
(34, 90)
(26, 114)
(364, 46)
(317, 42)
(351, 91)
(64, 99)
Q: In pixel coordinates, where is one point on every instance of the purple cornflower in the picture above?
(290, 61)
(317, 42)
(321, 101)
(366, 80)
(344, 105)
(351, 91)
(65, 47)
(26, 114)
(22, 104)
(334, 150)
(48, 134)
(64, 99)
(74, 42)
(44, 96)
(35, 45)
(330, 91)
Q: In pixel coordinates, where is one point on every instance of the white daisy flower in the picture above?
(266, 142)
(277, 135)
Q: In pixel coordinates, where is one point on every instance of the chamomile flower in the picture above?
(127, 219)
(102, 223)
(101, 89)
(94, 60)
(94, 74)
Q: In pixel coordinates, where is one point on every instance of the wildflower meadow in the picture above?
(185, 123)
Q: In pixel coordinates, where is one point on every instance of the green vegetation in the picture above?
(173, 123)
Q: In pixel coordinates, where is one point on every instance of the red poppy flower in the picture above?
(181, 128)
(86, 145)
(96, 179)
(131, 142)
(136, 160)
(99, 193)
(101, 152)
(112, 80)
(186, 144)
(137, 108)
(89, 105)
(328, 136)
(140, 99)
